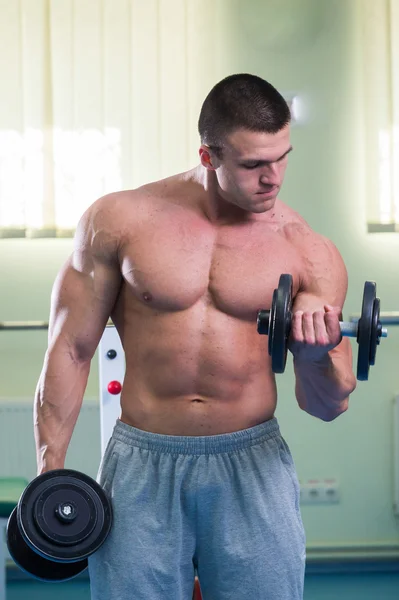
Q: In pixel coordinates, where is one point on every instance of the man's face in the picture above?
(251, 171)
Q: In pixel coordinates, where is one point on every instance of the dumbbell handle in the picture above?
(350, 329)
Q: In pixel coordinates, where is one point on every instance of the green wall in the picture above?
(27, 272)
(313, 52)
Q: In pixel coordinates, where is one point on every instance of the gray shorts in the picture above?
(225, 506)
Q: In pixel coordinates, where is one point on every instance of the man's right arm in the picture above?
(83, 296)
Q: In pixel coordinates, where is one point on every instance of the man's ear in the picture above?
(206, 159)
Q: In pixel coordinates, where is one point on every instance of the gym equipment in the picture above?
(111, 368)
(276, 323)
(114, 387)
(62, 517)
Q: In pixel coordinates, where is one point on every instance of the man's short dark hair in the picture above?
(241, 101)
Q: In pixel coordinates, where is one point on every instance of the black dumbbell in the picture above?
(276, 323)
(62, 517)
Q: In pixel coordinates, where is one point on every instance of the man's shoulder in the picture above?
(299, 231)
(119, 201)
(102, 225)
(316, 248)
(115, 209)
(140, 199)
(118, 214)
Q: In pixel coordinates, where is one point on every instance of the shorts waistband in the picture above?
(207, 444)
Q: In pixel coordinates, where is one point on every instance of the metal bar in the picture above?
(22, 325)
(386, 318)
(350, 329)
(28, 326)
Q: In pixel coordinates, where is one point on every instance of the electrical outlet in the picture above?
(319, 491)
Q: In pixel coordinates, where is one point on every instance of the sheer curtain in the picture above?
(380, 51)
(97, 95)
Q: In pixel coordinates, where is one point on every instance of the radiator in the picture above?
(17, 450)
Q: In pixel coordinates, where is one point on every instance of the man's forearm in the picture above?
(323, 387)
(58, 401)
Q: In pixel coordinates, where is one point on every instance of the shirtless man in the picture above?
(198, 472)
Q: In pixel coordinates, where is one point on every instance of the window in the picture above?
(380, 52)
(96, 91)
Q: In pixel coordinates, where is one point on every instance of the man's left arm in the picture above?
(322, 358)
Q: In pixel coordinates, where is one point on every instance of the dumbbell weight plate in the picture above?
(33, 563)
(280, 323)
(47, 533)
(367, 334)
(63, 516)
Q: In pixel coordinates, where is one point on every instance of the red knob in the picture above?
(114, 387)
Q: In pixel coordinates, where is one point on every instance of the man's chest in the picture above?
(235, 268)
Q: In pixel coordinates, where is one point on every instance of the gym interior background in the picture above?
(129, 77)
